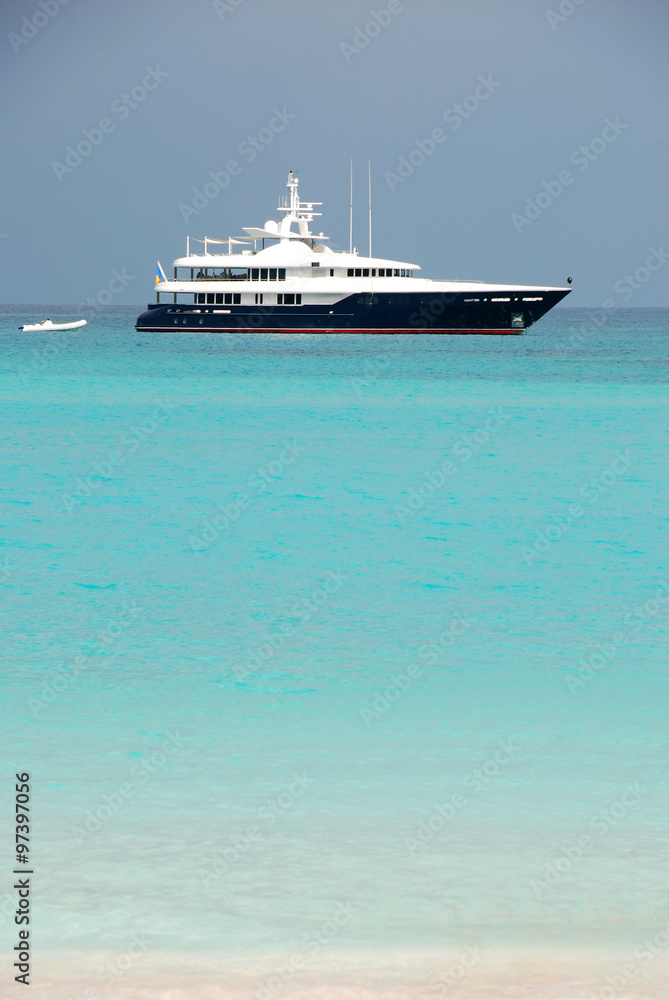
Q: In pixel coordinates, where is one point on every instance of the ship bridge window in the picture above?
(268, 273)
(373, 272)
(349, 272)
(396, 273)
(365, 272)
(358, 272)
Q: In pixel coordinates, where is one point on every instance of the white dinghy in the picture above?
(47, 324)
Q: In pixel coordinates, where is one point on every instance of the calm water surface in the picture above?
(345, 645)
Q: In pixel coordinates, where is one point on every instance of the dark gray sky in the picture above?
(516, 88)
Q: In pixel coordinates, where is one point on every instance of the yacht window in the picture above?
(210, 298)
(358, 272)
(298, 299)
(255, 273)
(237, 298)
(228, 298)
(396, 273)
(282, 274)
(373, 272)
(332, 272)
(201, 298)
(365, 272)
(402, 273)
(315, 263)
(219, 298)
(349, 272)
(259, 298)
(263, 274)
(279, 299)
(272, 274)
(289, 299)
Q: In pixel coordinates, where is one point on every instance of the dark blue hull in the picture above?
(407, 312)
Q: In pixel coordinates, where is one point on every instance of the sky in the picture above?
(518, 141)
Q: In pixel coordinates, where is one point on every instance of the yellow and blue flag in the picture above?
(160, 274)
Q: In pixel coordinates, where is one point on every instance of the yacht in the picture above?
(282, 278)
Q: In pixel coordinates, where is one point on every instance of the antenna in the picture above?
(369, 177)
(350, 217)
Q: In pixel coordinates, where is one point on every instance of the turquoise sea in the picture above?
(339, 664)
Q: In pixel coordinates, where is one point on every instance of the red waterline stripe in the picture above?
(256, 329)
